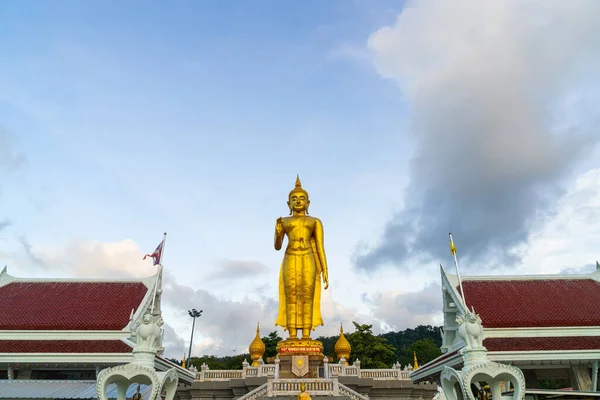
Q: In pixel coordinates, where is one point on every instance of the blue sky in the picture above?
(133, 111)
(193, 118)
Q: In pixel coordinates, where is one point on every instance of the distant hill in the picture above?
(425, 340)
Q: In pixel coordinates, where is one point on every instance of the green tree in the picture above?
(403, 340)
(328, 344)
(235, 362)
(372, 351)
(211, 361)
(220, 363)
(426, 350)
(271, 344)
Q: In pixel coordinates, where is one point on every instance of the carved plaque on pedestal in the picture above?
(300, 365)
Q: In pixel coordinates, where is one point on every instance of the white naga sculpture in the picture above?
(148, 336)
(456, 385)
(470, 330)
(148, 333)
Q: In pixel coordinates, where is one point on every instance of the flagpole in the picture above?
(462, 292)
(159, 271)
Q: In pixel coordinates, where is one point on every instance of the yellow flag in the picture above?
(452, 247)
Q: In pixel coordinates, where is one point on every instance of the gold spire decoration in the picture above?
(342, 347)
(183, 362)
(415, 363)
(298, 188)
(257, 347)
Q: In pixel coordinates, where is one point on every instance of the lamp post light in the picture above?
(194, 314)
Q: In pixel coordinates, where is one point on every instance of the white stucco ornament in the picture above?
(478, 368)
(148, 336)
(470, 329)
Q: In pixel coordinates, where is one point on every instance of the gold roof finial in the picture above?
(342, 347)
(415, 363)
(257, 347)
(183, 362)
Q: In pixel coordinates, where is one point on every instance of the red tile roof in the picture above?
(534, 303)
(543, 343)
(64, 346)
(69, 305)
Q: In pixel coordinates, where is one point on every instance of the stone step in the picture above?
(294, 397)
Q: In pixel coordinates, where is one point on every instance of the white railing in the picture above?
(354, 395)
(220, 375)
(252, 395)
(328, 371)
(206, 374)
(287, 387)
(396, 372)
(383, 374)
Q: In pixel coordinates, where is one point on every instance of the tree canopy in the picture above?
(372, 351)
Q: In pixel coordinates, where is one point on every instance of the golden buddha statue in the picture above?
(303, 395)
(303, 265)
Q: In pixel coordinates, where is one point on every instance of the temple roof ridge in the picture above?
(524, 277)
(6, 278)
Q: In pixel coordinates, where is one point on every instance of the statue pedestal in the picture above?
(299, 358)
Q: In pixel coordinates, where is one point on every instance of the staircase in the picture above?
(289, 389)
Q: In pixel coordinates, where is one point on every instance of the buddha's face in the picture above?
(298, 202)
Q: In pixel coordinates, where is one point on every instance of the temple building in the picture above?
(57, 335)
(548, 326)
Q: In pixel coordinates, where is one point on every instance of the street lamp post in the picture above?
(194, 314)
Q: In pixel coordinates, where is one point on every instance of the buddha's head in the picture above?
(298, 199)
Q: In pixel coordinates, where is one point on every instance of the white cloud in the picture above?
(91, 259)
(568, 239)
(491, 87)
(237, 269)
(401, 310)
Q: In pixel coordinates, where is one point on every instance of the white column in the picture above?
(594, 375)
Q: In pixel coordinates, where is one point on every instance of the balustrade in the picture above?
(334, 371)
